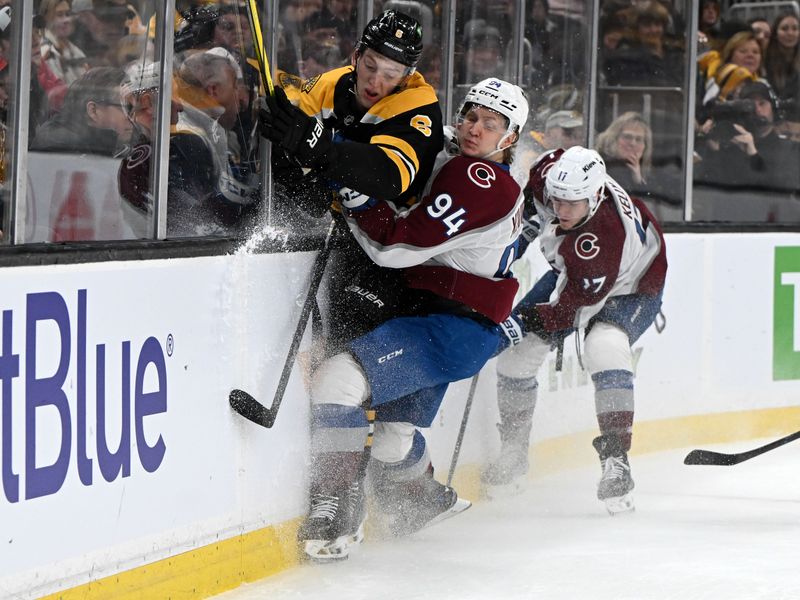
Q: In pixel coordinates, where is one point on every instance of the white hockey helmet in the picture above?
(578, 174)
(502, 97)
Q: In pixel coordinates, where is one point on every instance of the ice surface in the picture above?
(716, 533)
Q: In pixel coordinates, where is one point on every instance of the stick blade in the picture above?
(707, 457)
(250, 408)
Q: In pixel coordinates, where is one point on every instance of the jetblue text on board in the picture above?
(45, 393)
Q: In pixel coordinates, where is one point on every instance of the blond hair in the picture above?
(606, 143)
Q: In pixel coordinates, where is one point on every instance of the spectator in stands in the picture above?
(65, 59)
(47, 89)
(763, 31)
(430, 67)
(745, 151)
(648, 58)
(294, 19)
(319, 56)
(207, 85)
(540, 30)
(782, 63)
(484, 56)
(99, 27)
(563, 129)
(627, 147)
(232, 30)
(739, 61)
(341, 15)
(709, 24)
(92, 120)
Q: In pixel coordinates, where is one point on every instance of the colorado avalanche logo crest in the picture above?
(481, 175)
(586, 246)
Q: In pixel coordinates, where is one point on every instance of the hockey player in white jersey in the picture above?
(608, 262)
(447, 318)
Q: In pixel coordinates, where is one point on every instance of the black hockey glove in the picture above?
(303, 138)
(532, 321)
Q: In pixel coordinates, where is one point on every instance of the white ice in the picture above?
(698, 532)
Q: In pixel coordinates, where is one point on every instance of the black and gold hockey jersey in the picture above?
(387, 152)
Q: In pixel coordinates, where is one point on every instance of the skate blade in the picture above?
(325, 551)
(507, 490)
(620, 505)
(460, 506)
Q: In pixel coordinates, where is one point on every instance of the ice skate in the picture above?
(616, 484)
(334, 525)
(408, 506)
(506, 476)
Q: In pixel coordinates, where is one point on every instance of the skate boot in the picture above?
(506, 475)
(616, 484)
(408, 506)
(335, 523)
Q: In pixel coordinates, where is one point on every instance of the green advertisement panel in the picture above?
(786, 315)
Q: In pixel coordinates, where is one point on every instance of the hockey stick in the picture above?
(258, 45)
(242, 402)
(464, 419)
(707, 457)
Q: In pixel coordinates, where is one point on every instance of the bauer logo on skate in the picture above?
(72, 417)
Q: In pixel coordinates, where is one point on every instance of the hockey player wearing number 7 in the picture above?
(450, 316)
(609, 264)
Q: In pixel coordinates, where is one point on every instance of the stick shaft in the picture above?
(258, 45)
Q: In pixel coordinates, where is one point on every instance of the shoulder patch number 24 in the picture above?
(422, 123)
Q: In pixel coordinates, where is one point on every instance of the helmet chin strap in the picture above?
(509, 132)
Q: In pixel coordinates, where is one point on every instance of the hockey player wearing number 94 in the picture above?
(609, 265)
(452, 315)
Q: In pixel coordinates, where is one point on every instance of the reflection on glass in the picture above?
(642, 101)
(214, 170)
(82, 129)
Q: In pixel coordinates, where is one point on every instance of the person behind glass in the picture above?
(782, 63)
(562, 129)
(539, 31)
(724, 72)
(209, 87)
(484, 51)
(627, 149)
(743, 148)
(92, 120)
(609, 264)
(763, 31)
(708, 36)
(192, 182)
(453, 248)
(648, 57)
(65, 59)
(99, 25)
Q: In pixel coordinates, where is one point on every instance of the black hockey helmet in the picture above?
(394, 35)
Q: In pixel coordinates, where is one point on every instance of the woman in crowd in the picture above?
(65, 59)
(782, 62)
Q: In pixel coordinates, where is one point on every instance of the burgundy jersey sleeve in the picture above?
(590, 258)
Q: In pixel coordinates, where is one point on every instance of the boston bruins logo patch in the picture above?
(286, 80)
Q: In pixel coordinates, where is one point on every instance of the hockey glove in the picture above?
(532, 321)
(355, 201)
(303, 138)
